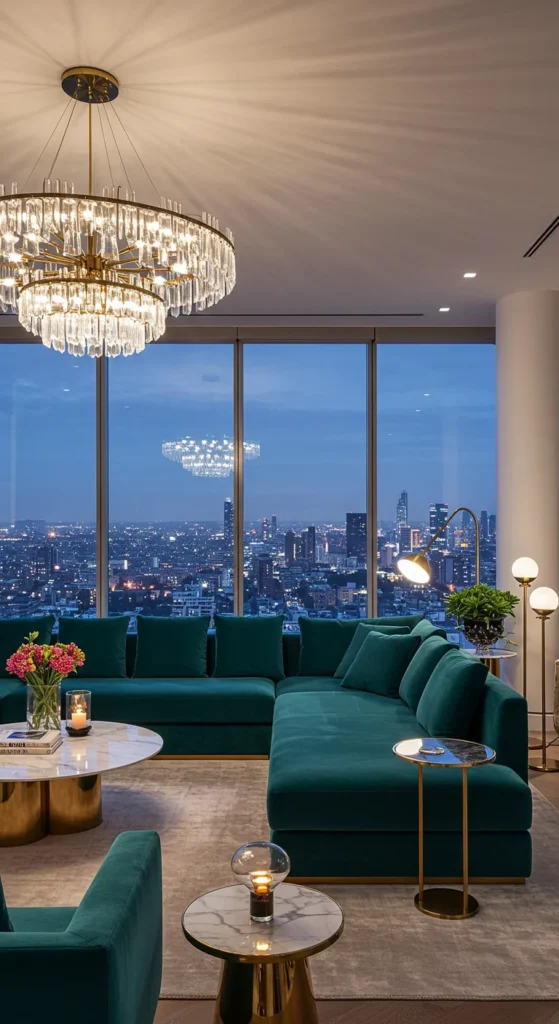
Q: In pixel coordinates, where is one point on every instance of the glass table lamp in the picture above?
(261, 867)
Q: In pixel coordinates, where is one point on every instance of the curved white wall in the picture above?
(527, 340)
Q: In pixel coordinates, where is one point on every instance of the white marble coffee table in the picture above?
(265, 971)
(61, 792)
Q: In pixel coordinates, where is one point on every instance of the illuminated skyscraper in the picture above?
(356, 534)
(308, 540)
(289, 548)
(484, 525)
(228, 521)
(274, 529)
(438, 514)
(402, 511)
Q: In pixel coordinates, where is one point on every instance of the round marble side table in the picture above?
(492, 658)
(434, 752)
(265, 974)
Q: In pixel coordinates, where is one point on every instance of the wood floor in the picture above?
(403, 1012)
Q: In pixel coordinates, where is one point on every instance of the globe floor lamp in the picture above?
(544, 602)
(417, 569)
(525, 571)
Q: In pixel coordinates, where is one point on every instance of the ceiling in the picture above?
(365, 153)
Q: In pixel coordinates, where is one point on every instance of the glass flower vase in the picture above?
(43, 706)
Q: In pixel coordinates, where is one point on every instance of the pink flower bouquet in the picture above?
(43, 667)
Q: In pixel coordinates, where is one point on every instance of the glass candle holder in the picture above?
(78, 712)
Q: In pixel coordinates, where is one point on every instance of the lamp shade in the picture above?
(525, 570)
(544, 599)
(415, 568)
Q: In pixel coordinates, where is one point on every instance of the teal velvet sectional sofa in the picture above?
(339, 802)
(99, 963)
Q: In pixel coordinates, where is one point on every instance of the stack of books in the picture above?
(40, 741)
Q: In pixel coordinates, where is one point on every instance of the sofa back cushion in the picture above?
(397, 620)
(419, 670)
(103, 642)
(5, 923)
(172, 648)
(425, 629)
(249, 647)
(362, 631)
(380, 663)
(14, 631)
(449, 701)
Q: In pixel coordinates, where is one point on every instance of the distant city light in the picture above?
(444, 309)
(207, 456)
(471, 273)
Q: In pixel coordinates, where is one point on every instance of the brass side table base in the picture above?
(536, 763)
(265, 993)
(31, 810)
(534, 743)
(447, 903)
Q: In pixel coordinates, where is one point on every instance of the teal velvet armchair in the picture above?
(99, 963)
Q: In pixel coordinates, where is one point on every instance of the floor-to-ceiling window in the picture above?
(171, 482)
(436, 451)
(47, 482)
(306, 456)
(305, 414)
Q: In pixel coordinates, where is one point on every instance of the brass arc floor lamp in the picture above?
(417, 569)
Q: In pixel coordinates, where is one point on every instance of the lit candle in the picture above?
(79, 718)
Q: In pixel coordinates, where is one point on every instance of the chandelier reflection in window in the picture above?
(207, 456)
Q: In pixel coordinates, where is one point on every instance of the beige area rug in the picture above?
(204, 810)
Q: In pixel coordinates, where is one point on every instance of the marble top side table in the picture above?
(265, 973)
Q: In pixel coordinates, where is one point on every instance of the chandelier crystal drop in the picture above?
(207, 457)
(97, 274)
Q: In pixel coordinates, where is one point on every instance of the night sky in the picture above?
(304, 404)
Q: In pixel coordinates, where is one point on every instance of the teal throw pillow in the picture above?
(249, 647)
(103, 642)
(380, 663)
(421, 666)
(323, 644)
(425, 629)
(361, 632)
(5, 923)
(171, 648)
(13, 633)
(449, 701)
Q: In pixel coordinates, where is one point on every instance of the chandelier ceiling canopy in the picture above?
(207, 457)
(99, 273)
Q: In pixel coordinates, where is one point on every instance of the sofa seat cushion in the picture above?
(150, 701)
(345, 776)
(308, 684)
(41, 919)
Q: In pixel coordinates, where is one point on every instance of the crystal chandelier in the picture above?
(98, 273)
(207, 457)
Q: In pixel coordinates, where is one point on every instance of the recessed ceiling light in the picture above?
(444, 309)
(471, 273)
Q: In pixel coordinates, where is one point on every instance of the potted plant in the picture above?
(482, 611)
(43, 667)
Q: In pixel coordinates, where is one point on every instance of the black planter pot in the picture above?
(483, 633)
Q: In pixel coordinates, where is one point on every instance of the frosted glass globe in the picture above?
(525, 570)
(544, 599)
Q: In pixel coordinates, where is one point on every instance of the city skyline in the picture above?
(305, 405)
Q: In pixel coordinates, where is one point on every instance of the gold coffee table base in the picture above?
(450, 904)
(258, 993)
(30, 810)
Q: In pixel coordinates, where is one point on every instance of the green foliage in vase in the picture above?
(481, 602)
